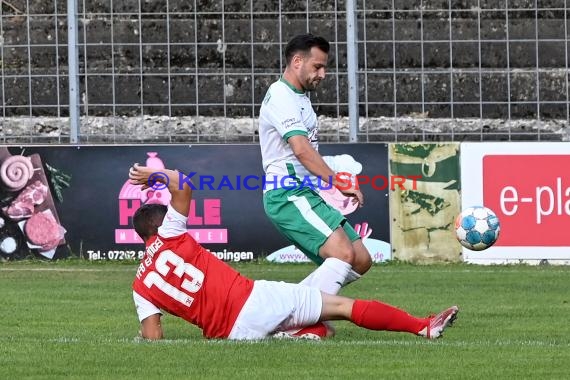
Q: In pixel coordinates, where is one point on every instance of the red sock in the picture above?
(376, 315)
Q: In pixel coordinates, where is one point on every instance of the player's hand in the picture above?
(139, 175)
(356, 195)
(347, 185)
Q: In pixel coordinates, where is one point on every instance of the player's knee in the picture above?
(362, 259)
(345, 254)
(362, 264)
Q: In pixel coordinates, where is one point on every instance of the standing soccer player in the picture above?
(288, 135)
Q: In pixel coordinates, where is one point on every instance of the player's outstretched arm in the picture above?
(178, 185)
(313, 162)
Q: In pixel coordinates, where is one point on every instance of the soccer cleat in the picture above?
(439, 322)
(318, 331)
(288, 335)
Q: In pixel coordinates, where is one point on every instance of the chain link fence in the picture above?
(196, 71)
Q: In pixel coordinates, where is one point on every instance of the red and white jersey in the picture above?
(181, 277)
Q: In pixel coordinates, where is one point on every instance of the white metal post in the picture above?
(352, 68)
(73, 61)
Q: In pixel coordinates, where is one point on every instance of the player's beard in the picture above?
(311, 84)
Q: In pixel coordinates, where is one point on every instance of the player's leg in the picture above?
(324, 235)
(310, 223)
(337, 245)
(303, 319)
(280, 310)
(329, 277)
(362, 260)
(376, 315)
(273, 307)
(349, 241)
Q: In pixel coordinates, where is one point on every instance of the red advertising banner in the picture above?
(531, 195)
(527, 185)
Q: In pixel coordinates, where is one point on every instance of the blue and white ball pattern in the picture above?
(477, 228)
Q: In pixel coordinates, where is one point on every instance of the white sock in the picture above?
(351, 277)
(329, 276)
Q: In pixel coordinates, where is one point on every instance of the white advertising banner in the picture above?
(528, 186)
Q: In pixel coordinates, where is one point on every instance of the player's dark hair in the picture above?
(304, 43)
(148, 218)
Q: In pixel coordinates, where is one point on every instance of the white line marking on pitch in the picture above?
(133, 269)
(419, 342)
(387, 272)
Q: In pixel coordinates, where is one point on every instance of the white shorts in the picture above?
(277, 306)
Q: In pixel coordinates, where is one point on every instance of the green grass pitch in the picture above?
(75, 320)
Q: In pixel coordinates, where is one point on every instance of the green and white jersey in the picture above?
(285, 112)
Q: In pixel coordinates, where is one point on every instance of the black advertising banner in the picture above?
(62, 201)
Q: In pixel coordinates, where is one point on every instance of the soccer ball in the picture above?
(477, 228)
